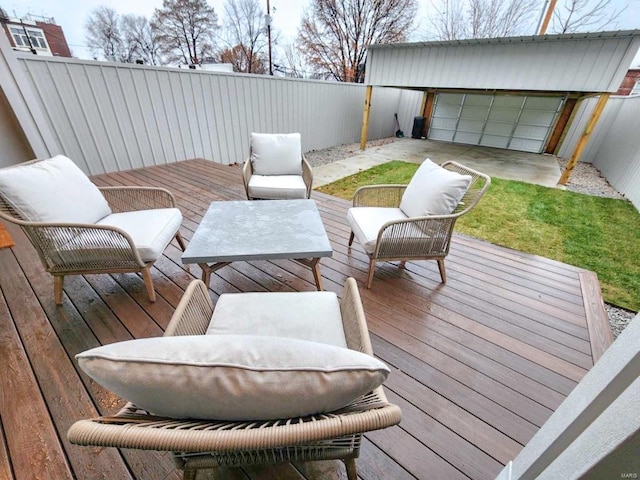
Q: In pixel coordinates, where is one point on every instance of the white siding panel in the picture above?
(617, 154)
(582, 62)
(408, 109)
(110, 117)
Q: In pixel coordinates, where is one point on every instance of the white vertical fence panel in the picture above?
(408, 109)
(614, 146)
(109, 117)
(618, 157)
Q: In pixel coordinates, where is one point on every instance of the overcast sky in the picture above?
(71, 15)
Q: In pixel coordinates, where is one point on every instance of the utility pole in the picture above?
(267, 19)
(547, 17)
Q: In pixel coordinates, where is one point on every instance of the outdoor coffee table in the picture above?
(259, 230)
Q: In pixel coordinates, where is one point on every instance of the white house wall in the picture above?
(111, 116)
(562, 63)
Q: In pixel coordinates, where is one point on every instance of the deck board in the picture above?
(478, 364)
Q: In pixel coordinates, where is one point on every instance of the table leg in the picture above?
(314, 264)
(208, 269)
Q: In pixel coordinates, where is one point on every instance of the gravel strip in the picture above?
(585, 178)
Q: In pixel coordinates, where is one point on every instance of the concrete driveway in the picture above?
(495, 162)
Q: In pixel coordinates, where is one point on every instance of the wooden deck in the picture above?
(478, 364)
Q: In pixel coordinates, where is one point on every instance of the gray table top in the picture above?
(258, 230)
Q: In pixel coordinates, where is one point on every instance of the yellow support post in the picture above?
(588, 129)
(365, 117)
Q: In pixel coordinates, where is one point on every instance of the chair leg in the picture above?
(180, 241)
(351, 239)
(58, 281)
(148, 282)
(350, 464)
(372, 267)
(443, 275)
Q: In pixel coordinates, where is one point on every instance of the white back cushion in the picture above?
(233, 377)
(312, 316)
(276, 154)
(433, 190)
(53, 190)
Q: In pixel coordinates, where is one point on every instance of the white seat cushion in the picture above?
(53, 190)
(312, 316)
(233, 377)
(150, 230)
(365, 223)
(277, 187)
(433, 190)
(276, 154)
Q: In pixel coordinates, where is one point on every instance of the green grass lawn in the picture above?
(598, 234)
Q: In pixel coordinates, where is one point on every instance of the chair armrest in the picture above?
(247, 171)
(415, 237)
(307, 175)
(78, 246)
(127, 199)
(353, 319)
(193, 314)
(379, 196)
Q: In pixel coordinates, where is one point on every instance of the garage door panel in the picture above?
(501, 114)
(447, 111)
(439, 134)
(502, 129)
(543, 103)
(450, 98)
(509, 101)
(471, 126)
(478, 100)
(516, 122)
(474, 113)
(467, 137)
(526, 145)
(444, 123)
(494, 141)
(537, 117)
(530, 132)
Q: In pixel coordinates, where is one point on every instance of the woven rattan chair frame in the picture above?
(247, 172)
(205, 444)
(417, 238)
(120, 256)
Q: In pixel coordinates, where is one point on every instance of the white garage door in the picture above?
(515, 122)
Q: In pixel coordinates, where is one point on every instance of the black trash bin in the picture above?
(418, 127)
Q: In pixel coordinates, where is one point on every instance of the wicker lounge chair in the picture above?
(206, 444)
(387, 233)
(276, 168)
(99, 233)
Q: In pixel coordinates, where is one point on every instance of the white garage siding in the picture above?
(515, 122)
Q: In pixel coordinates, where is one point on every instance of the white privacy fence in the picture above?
(110, 116)
(614, 146)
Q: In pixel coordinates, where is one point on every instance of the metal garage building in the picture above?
(517, 92)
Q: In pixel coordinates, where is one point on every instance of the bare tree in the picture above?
(244, 35)
(456, 19)
(186, 30)
(294, 64)
(334, 34)
(141, 38)
(584, 15)
(103, 35)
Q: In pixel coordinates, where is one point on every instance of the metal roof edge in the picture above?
(512, 40)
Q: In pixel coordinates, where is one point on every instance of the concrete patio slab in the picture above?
(495, 162)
